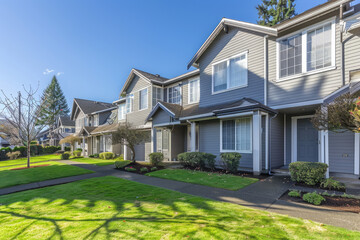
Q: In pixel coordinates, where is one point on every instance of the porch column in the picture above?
(153, 140)
(193, 137)
(324, 149)
(125, 152)
(357, 154)
(257, 143)
(83, 146)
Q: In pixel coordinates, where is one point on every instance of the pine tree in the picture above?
(53, 104)
(272, 12)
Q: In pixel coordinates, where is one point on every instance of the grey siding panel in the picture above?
(277, 141)
(341, 152)
(225, 46)
(210, 142)
(143, 150)
(351, 53)
(288, 139)
(177, 141)
(161, 117)
(303, 88)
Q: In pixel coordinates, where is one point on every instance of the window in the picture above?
(96, 120)
(319, 48)
(121, 111)
(129, 103)
(290, 56)
(143, 99)
(194, 91)
(310, 50)
(237, 135)
(174, 94)
(157, 95)
(230, 74)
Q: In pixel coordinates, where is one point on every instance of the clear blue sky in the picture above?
(93, 45)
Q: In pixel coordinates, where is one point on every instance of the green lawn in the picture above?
(226, 181)
(113, 208)
(32, 159)
(96, 161)
(55, 170)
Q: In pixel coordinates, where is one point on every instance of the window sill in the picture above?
(306, 73)
(228, 151)
(230, 89)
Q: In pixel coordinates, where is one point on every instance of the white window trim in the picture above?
(251, 136)
(227, 60)
(124, 111)
(167, 93)
(140, 99)
(132, 107)
(152, 94)
(198, 92)
(304, 51)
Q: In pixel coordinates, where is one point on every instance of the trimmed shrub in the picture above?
(106, 155)
(122, 164)
(156, 158)
(209, 160)
(3, 152)
(13, 155)
(65, 155)
(34, 150)
(77, 153)
(144, 169)
(332, 184)
(294, 193)
(197, 159)
(313, 198)
(309, 173)
(51, 149)
(231, 161)
(67, 149)
(33, 142)
(153, 169)
(79, 149)
(22, 150)
(130, 169)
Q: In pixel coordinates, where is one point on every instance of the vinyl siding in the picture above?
(306, 87)
(143, 150)
(341, 152)
(351, 53)
(160, 117)
(228, 45)
(277, 141)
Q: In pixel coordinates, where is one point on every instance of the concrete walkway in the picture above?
(263, 195)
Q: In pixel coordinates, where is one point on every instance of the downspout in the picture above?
(265, 68)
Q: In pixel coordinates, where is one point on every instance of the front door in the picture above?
(162, 142)
(307, 141)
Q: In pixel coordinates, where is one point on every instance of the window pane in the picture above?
(238, 71)
(220, 76)
(228, 135)
(243, 134)
(174, 95)
(290, 56)
(157, 95)
(194, 91)
(143, 99)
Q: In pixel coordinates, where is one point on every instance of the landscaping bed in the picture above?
(340, 203)
(317, 186)
(137, 166)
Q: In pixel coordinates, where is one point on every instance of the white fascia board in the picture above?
(198, 116)
(299, 104)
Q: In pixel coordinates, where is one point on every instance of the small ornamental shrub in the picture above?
(313, 198)
(3, 152)
(22, 149)
(130, 169)
(79, 149)
(77, 153)
(209, 160)
(106, 155)
(310, 173)
(197, 159)
(68, 149)
(50, 149)
(122, 164)
(294, 193)
(231, 161)
(65, 155)
(153, 169)
(91, 155)
(332, 184)
(156, 158)
(13, 155)
(144, 169)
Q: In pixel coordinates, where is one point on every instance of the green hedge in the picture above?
(3, 152)
(156, 158)
(309, 173)
(231, 161)
(197, 159)
(106, 155)
(22, 150)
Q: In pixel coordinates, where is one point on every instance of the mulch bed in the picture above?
(138, 166)
(316, 187)
(43, 165)
(222, 171)
(336, 202)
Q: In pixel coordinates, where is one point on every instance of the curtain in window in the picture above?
(220, 76)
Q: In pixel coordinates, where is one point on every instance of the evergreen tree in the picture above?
(272, 12)
(53, 104)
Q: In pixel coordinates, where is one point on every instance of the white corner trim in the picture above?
(357, 154)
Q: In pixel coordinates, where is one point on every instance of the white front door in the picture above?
(163, 142)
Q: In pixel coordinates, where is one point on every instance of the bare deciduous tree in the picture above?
(22, 114)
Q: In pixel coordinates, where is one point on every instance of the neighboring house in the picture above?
(3, 143)
(64, 127)
(94, 122)
(43, 138)
(259, 87)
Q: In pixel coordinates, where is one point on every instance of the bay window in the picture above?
(236, 135)
(231, 73)
(174, 94)
(143, 99)
(194, 91)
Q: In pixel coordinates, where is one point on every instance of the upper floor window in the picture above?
(312, 49)
(121, 111)
(96, 120)
(231, 73)
(194, 91)
(174, 94)
(143, 99)
(129, 103)
(157, 95)
(236, 135)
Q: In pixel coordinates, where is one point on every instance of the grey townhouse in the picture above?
(253, 91)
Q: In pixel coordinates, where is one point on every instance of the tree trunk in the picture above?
(133, 153)
(28, 154)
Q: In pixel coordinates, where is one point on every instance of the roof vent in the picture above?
(157, 75)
